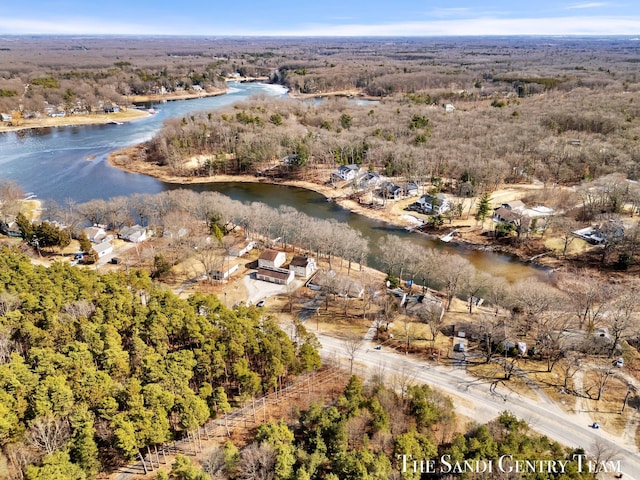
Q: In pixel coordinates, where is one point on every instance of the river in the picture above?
(71, 162)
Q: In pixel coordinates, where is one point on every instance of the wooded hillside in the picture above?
(95, 367)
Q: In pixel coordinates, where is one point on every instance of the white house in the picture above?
(271, 259)
(515, 205)
(347, 172)
(275, 275)
(95, 234)
(102, 249)
(370, 179)
(241, 248)
(133, 234)
(433, 204)
(303, 266)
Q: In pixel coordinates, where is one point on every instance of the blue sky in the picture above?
(321, 17)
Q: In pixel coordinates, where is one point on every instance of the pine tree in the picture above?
(484, 207)
(83, 450)
(85, 244)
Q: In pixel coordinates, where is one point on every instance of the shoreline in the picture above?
(394, 216)
(122, 159)
(161, 98)
(353, 93)
(125, 116)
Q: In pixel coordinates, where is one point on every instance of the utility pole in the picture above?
(626, 397)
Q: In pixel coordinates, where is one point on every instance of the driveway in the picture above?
(259, 290)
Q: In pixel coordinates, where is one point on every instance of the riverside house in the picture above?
(346, 172)
(303, 266)
(432, 204)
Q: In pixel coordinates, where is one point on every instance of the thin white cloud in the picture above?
(573, 25)
(570, 25)
(586, 5)
(449, 12)
(19, 26)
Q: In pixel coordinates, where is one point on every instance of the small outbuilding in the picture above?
(224, 270)
(241, 248)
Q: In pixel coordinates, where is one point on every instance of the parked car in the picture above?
(459, 347)
(595, 425)
(260, 303)
(115, 260)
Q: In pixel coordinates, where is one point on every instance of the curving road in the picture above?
(475, 399)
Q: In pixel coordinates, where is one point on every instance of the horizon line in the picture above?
(201, 35)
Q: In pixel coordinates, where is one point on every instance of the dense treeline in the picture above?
(94, 368)
(367, 431)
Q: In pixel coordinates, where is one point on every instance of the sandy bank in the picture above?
(352, 93)
(128, 115)
(169, 97)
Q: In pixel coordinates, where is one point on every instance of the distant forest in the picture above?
(558, 109)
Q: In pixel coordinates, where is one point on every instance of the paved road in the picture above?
(474, 399)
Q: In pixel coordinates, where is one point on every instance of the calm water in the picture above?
(71, 162)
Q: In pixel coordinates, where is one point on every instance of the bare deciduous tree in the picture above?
(258, 462)
(569, 366)
(47, 434)
(11, 196)
(433, 316)
(550, 331)
(351, 345)
(452, 272)
(531, 299)
(622, 314)
(589, 295)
